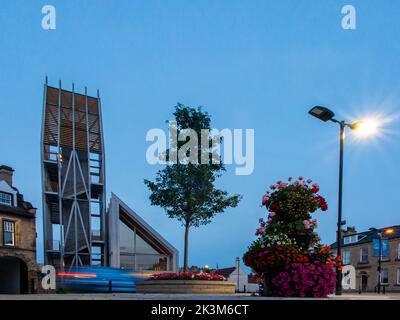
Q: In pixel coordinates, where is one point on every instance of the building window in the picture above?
(96, 256)
(350, 239)
(137, 253)
(398, 251)
(346, 257)
(8, 233)
(398, 276)
(6, 199)
(364, 255)
(385, 276)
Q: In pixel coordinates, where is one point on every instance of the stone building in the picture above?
(17, 238)
(360, 251)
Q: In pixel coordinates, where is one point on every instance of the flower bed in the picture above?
(187, 276)
(186, 283)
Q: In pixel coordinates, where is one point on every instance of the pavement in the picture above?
(140, 296)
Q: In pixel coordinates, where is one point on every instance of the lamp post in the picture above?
(380, 235)
(325, 115)
(380, 262)
(238, 266)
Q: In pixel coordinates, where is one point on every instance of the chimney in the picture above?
(6, 174)
(350, 231)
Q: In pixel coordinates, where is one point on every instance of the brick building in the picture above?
(358, 251)
(17, 238)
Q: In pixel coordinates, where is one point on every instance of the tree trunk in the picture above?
(186, 257)
(267, 285)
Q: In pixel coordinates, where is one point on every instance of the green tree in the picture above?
(187, 191)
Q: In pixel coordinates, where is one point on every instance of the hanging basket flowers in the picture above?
(288, 247)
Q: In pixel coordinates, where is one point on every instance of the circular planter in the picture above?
(186, 286)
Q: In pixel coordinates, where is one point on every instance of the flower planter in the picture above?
(302, 240)
(288, 252)
(186, 286)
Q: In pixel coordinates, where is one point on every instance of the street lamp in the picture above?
(380, 234)
(367, 128)
(238, 268)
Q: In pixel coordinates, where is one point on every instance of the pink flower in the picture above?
(260, 230)
(315, 222)
(309, 180)
(265, 200)
(273, 187)
(306, 224)
(290, 179)
(301, 178)
(272, 214)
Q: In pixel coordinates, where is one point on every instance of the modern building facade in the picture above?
(77, 229)
(73, 178)
(18, 238)
(134, 245)
(361, 251)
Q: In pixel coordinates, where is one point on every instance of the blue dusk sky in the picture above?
(252, 64)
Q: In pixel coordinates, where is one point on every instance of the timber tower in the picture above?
(73, 178)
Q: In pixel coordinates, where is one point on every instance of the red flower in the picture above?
(274, 206)
(265, 200)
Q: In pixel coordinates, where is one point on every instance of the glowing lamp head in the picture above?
(389, 231)
(365, 128)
